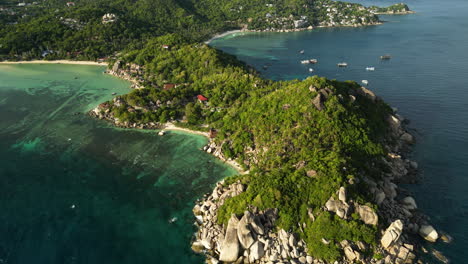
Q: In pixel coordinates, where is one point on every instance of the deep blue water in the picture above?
(426, 79)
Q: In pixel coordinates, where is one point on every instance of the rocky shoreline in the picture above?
(252, 238)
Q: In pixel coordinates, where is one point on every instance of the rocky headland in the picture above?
(396, 9)
(253, 238)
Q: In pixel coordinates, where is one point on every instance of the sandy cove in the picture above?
(171, 127)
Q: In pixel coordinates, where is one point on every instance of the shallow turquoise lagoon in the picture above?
(76, 190)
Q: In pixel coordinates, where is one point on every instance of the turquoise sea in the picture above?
(76, 190)
(426, 79)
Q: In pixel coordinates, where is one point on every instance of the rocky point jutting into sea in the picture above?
(252, 237)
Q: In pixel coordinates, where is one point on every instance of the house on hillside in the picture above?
(70, 4)
(165, 46)
(201, 98)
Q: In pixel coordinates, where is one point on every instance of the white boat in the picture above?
(370, 68)
(305, 61)
(301, 52)
(162, 133)
(365, 82)
(342, 64)
(172, 220)
(311, 70)
(313, 61)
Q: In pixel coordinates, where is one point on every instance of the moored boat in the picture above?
(305, 61)
(385, 57)
(342, 64)
(370, 68)
(365, 82)
(311, 70)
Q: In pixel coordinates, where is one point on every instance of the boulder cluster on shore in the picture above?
(253, 237)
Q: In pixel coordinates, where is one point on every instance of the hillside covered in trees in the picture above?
(92, 29)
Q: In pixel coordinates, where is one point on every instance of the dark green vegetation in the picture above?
(298, 156)
(52, 29)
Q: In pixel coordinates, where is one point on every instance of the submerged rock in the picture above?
(446, 238)
(407, 138)
(440, 256)
(409, 203)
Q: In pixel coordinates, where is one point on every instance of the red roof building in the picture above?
(202, 98)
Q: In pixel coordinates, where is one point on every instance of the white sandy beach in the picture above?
(56, 62)
(224, 34)
(170, 126)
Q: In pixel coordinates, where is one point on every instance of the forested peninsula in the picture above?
(319, 158)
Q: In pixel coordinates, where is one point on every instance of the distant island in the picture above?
(396, 9)
(318, 159)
